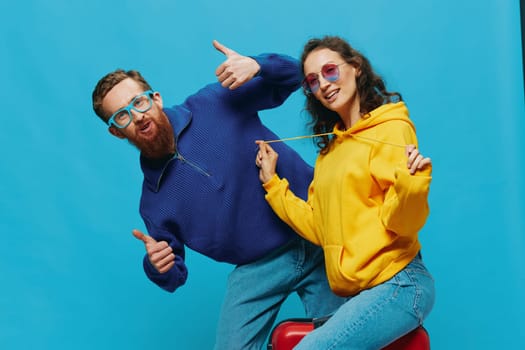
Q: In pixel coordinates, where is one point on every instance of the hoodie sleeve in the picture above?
(294, 211)
(405, 206)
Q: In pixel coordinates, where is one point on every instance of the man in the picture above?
(201, 190)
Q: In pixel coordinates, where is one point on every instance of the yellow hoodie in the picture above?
(363, 207)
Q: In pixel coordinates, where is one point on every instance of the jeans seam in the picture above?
(417, 295)
(301, 258)
(373, 311)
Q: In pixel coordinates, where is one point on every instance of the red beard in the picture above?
(162, 143)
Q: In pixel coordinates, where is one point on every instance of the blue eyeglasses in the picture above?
(141, 103)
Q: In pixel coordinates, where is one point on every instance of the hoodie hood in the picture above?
(382, 114)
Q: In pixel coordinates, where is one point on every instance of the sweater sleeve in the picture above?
(405, 206)
(280, 70)
(294, 211)
(178, 274)
(277, 79)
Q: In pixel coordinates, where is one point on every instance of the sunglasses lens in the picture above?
(311, 83)
(330, 72)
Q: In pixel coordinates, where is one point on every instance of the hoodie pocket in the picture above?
(341, 283)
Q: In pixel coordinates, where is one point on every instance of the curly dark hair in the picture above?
(370, 86)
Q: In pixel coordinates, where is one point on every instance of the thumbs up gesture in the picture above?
(236, 69)
(160, 253)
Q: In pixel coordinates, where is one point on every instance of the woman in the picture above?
(366, 203)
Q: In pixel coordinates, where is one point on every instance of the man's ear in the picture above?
(157, 98)
(116, 132)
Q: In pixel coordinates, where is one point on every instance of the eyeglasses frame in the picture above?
(129, 107)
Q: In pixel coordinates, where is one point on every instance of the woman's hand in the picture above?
(415, 160)
(266, 161)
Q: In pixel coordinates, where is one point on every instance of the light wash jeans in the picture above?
(256, 291)
(376, 317)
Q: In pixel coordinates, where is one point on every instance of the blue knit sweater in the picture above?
(208, 197)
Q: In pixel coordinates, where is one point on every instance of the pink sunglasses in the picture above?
(329, 71)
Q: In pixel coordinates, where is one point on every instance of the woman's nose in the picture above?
(323, 83)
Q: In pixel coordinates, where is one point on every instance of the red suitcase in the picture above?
(289, 332)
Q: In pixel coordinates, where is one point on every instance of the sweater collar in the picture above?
(153, 169)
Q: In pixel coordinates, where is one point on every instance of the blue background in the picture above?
(70, 270)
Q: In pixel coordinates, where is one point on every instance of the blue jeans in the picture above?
(376, 317)
(256, 291)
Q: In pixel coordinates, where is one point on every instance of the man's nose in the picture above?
(137, 116)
